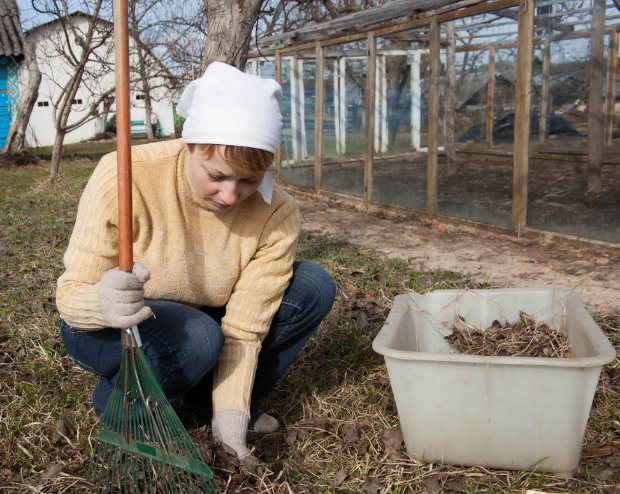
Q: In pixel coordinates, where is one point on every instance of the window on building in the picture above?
(43, 103)
(139, 96)
(77, 101)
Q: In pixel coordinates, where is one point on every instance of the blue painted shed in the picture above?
(11, 55)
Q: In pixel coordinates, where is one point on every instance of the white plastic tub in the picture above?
(499, 412)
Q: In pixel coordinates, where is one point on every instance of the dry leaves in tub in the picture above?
(522, 338)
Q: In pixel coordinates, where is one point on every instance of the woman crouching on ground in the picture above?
(221, 306)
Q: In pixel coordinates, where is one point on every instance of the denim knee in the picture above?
(317, 288)
(96, 351)
(181, 343)
(207, 348)
(196, 348)
(201, 353)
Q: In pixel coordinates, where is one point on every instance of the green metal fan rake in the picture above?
(142, 445)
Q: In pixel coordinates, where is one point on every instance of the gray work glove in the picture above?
(230, 427)
(121, 297)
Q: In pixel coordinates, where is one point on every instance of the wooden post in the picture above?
(433, 120)
(371, 66)
(490, 97)
(522, 115)
(596, 137)
(543, 114)
(610, 98)
(318, 116)
(450, 113)
(278, 157)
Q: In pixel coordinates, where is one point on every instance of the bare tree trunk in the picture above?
(146, 92)
(103, 117)
(398, 72)
(56, 150)
(17, 135)
(148, 111)
(61, 130)
(230, 31)
(61, 123)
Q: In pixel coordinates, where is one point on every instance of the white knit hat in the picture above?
(227, 106)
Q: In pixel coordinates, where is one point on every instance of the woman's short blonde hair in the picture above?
(245, 160)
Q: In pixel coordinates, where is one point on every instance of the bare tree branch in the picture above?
(75, 47)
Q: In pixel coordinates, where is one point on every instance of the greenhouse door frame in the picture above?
(381, 123)
(298, 122)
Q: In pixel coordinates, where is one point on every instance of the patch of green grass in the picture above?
(337, 382)
(90, 150)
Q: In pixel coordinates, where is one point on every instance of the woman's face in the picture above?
(218, 185)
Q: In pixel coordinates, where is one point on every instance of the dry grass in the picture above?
(13, 160)
(522, 338)
(341, 427)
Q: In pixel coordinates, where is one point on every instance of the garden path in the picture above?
(593, 271)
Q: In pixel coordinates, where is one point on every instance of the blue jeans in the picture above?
(183, 344)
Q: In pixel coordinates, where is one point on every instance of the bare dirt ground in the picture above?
(592, 271)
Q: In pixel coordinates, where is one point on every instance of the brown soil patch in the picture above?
(501, 260)
(13, 160)
(102, 136)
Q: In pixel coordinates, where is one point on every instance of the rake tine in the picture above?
(143, 447)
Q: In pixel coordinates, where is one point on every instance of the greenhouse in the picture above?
(502, 113)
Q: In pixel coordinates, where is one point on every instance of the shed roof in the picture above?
(394, 13)
(54, 20)
(365, 20)
(10, 28)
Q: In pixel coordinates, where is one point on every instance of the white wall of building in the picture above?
(56, 71)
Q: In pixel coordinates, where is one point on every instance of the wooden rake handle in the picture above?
(123, 135)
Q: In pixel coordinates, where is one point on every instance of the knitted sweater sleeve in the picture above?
(92, 250)
(255, 299)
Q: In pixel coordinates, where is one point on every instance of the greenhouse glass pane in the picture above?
(399, 169)
(299, 109)
(558, 200)
(345, 118)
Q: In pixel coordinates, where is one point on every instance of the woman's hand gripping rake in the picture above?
(121, 297)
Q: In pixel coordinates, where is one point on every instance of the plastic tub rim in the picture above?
(606, 352)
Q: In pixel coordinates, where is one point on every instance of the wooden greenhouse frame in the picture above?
(404, 15)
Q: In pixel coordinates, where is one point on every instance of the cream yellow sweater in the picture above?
(241, 258)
